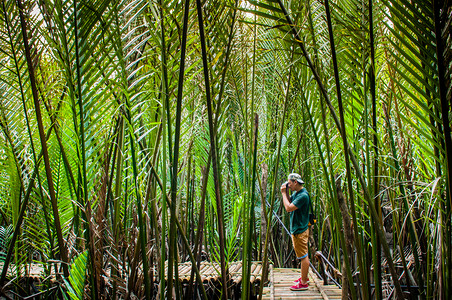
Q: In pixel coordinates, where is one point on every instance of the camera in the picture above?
(286, 184)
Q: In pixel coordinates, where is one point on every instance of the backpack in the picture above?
(312, 217)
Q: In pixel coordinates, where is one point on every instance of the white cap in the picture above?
(295, 176)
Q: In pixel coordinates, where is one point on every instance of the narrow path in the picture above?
(282, 279)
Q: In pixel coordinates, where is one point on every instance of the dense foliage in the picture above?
(137, 132)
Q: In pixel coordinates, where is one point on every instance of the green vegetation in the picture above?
(137, 132)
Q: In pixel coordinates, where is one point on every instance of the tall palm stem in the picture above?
(199, 234)
(82, 189)
(201, 222)
(31, 71)
(246, 269)
(247, 246)
(216, 175)
(164, 215)
(445, 110)
(367, 170)
(116, 220)
(329, 176)
(142, 226)
(376, 245)
(166, 134)
(174, 162)
(347, 161)
(152, 205)
(5, 129)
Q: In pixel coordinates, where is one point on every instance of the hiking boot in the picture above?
(299, 287)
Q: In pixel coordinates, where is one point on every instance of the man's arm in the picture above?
(287, 205)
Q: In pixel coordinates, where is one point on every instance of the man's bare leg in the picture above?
(304, 270)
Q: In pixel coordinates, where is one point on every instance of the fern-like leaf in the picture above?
(76, 282)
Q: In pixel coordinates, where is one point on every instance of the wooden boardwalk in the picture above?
(281, 280)
(211, 271)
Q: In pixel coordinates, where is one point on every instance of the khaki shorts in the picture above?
(300, 244)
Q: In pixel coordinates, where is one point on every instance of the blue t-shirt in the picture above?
(299, 218)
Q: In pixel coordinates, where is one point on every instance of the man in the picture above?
(298, 207)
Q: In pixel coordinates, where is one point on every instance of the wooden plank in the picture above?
(272, 278)
(282, 279)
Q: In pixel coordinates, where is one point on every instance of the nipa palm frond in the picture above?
(76, 282)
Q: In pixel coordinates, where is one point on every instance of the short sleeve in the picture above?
(299, 200)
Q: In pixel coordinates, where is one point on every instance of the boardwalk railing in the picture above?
(327, 270)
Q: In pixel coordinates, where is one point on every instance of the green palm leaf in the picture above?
(75, 284)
